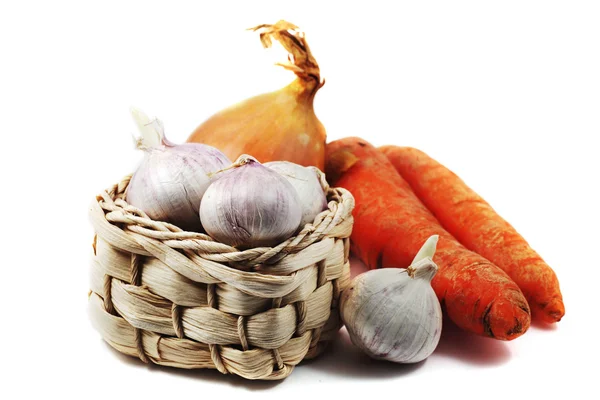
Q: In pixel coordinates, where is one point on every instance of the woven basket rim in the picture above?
(110, 204)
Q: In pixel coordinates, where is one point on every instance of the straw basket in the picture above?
(183, 300)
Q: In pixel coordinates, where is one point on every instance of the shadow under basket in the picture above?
(183, 300)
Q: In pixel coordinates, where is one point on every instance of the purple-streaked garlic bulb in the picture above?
(169, 183)
(250, 205)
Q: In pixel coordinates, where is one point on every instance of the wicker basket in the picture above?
(181, 299)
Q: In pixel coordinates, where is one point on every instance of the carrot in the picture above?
(391, 224)
(474, 223)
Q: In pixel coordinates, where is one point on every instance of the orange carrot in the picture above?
(391, 224)
(474, 223)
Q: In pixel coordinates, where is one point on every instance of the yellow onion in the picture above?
(275, 126)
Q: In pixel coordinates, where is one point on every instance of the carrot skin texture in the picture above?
(391, 224)
(474, 223)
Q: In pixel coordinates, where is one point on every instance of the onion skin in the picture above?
(250, 206)
(275, 126)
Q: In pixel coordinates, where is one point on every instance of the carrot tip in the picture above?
(501, 326)
(551, 312)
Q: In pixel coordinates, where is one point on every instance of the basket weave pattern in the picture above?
(181, 299)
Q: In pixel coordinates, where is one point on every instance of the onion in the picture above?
(277, 125)
(308, 187)
(171, 179)
(250, 205)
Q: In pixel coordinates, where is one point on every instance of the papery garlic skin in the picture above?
(308, 187)
(394, 314)
(250, 205)
(170, 181)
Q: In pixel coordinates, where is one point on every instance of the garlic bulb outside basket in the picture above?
(169, 183)
(394, 314)
(250, 205)
(308, 187)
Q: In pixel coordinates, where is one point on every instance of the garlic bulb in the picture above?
(171, 179)
(394, 314)
(308, 187)
(250, 205)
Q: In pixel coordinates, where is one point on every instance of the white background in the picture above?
(506, 94)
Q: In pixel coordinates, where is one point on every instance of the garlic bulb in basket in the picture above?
(172, 178)
(308, 187)
(394, 314)
(250, 205)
